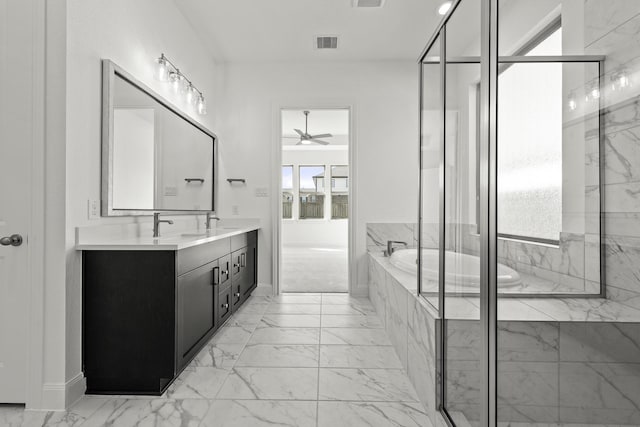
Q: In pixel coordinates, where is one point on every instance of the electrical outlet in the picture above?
(93, 207)
(262, 192)
(235, 210)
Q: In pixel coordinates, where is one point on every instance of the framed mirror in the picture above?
(154, 157)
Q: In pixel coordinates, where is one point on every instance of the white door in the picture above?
(16, 117)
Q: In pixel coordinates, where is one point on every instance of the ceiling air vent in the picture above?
(368, 3)
(326, 42)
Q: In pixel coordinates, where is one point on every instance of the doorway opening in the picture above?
(314, 219)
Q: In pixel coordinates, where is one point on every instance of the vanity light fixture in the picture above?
(444, 8)
(620, 79)
(166, 71)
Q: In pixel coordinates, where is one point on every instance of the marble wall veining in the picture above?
(612, 29)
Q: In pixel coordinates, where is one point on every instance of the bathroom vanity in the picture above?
(150, 305)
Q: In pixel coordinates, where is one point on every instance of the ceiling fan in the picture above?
(306, 138)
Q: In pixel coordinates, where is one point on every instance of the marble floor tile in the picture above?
(77, 415)
(365, 414)
(314, 269)
(253, 308)
(232, 334)
(221, 355)
(290, 321)
(297, 299)
(354, 336)
(359, 356)
(16, 416)
(351, 321)
(271, 383)
(388, 385)
(197, 383)
(293, 309)
(248, 321)
(364, 310)
(285, 336)
(279, 355)
(261, 413)
(152, 412)
(344, 299)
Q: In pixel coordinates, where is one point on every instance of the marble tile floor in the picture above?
(314, 269)
(292, 360)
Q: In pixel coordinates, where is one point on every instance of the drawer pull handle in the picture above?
(225, 305)
(236, 265)
(237, 294)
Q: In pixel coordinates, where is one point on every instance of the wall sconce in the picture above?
(166, 71)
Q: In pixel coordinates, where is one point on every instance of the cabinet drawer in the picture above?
(194, 257)
(238, 260)
(224, 304)
(225, 269)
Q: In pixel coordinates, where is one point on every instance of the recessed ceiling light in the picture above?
(444, 8)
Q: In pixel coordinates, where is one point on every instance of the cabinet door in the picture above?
(196, 317)
(224, 304)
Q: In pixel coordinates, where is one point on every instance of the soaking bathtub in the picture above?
(462, 270)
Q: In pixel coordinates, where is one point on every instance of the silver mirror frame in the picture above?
(109, 72)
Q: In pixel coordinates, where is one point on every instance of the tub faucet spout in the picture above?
(391, 248)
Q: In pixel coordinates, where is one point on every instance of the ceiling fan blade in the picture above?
(299, 132)
(290, 137)
(299, 142)
(317, 141)
(322, 135)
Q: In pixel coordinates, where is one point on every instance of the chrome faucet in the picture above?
(156, 223)
(391, 249)
(210, 216)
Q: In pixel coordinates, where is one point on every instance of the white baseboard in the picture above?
(60, 396)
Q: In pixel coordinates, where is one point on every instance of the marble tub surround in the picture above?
(378, 233)
(572, 266)
(328, 363)
(567, 352)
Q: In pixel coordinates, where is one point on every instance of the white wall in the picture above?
(384, 96)
(132, 34)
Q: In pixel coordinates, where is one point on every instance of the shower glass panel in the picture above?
(430, 154)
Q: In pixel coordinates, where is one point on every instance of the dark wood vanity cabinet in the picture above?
(147, 313)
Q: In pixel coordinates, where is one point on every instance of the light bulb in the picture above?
(572, 101)
(620, 80)
(176, 81)
(162, 69)
(201, 106)
(444, 8)
(191, 94)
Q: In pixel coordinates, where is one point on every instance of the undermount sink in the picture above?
(228, 228)
(197, 234)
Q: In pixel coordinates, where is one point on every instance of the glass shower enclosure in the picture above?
(529, 113)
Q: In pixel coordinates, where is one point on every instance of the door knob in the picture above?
(13, 240)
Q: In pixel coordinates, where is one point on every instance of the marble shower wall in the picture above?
(613, 29)
(574, 263)
(550, 372)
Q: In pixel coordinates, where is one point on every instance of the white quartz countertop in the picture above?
(168, 242)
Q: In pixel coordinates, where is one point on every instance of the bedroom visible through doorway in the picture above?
(315, 200)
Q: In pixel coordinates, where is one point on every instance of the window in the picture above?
(339, 192)
(530, 143)
(287, 196)
(312, 192)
